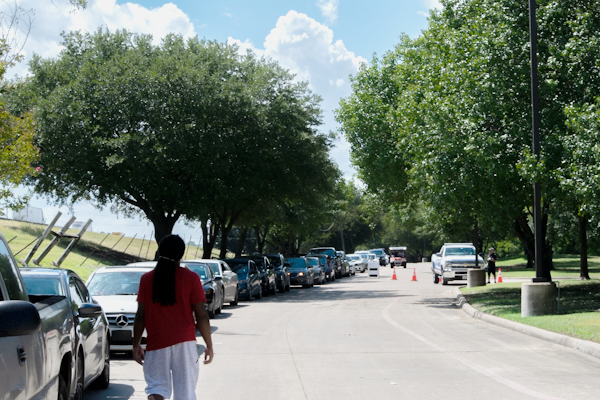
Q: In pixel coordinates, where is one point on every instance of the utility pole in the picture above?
(540, 274)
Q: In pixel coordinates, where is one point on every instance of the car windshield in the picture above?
(114, 283)
(239, 267)
(460, 251)
(354, 258)
(364, 256)
(215, 267)
(328, 252)
(43, 285)
(203, 270)
(398, 254)
(313, 261)
(297, 263)
(378, 252)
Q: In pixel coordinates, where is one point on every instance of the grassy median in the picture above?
(579, 308)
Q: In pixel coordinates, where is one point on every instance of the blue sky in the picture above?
(321, 41)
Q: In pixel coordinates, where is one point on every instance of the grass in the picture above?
(565, 266)
(93, 250)
(579, 307)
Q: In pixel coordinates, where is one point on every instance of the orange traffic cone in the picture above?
(394, 275)
(499, 275)
(414, 277)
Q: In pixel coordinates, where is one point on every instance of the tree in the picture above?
(17, 152)
(184, 128)
(462, 109)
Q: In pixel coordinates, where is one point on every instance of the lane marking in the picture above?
(468, 363)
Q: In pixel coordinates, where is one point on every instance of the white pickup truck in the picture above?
(453, 261)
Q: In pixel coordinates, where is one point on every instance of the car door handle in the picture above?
(22, 355)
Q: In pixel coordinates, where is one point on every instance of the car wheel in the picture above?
(79, 374)
(103, 380)
(235, 298)
(265, 292)
(211, 310)
(436, 278)
(444, 281)
(282, 289)
(63, 391)
(274, 289)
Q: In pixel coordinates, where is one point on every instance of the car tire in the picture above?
(444, 281)
(103, 380)
(288, 287)
(265, 293)
(274, 289)
(63, 391)
(211, 311)
(79, 374)
(436, 278)
(282, 289)
(235, 298)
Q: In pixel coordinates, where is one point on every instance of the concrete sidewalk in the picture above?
(584, 346)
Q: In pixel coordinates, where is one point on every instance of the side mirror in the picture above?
(218, 278)
(438, 254)
(18, 318)
(89, 310)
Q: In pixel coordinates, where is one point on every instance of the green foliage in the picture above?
(452, 108)
(17, 152)
(185, 128)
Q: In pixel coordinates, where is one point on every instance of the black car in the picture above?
(300, 272)
(282, 271)
(213, 287)
(249, 280)
(266, 272)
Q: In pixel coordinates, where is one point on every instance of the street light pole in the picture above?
(540, 276)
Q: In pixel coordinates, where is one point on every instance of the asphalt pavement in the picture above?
(373, 338)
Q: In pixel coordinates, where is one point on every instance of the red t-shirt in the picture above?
(169, 325)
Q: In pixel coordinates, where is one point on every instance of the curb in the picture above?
(584, 346)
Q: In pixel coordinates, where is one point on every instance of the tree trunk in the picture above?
(525, 235)
(163, 226)
(209, 236)
(261, 238)
(241, 242)
(224, 233)
(583, 259)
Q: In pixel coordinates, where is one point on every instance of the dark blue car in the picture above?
(249, 279)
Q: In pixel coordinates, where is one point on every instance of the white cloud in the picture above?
(306, 47)
(431, 4)
(51, 18)
(329, 9)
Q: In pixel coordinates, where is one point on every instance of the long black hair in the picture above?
(170, 251)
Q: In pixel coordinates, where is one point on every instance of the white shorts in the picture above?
(174, 366)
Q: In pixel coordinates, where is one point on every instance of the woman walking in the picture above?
(171, 307)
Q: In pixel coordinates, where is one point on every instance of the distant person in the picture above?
(330, 268)
(169, 298)
(491, 266)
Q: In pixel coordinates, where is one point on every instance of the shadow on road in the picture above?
(115, 391)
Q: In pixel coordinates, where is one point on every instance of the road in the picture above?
(373, 338)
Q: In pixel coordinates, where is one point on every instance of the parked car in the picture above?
(229, 279)
(329, 251)
(328, 269)
(318, 270)
(300, 272)
(282, 272)
(85, 318)
(345, 264)
(249, 281)
(381, 255)
(213, 286)
(357, 262)
(267, 273)
(116, 288)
